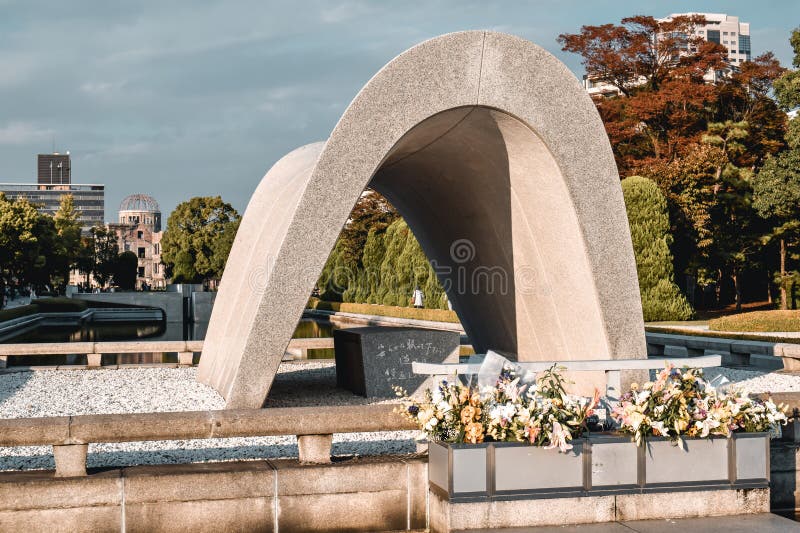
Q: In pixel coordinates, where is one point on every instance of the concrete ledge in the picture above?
(363, 494)
(34, 431)
(446, 516)
(652, 506)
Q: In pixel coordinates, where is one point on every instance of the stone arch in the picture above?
(481, 140)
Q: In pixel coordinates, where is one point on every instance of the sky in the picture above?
(185, 98)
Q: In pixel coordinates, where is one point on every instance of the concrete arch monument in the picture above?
(498, 160)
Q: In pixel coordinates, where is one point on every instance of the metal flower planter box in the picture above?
(595, 465)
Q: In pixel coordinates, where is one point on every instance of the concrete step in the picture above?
(762, 523)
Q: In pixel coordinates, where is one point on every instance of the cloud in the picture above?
(100, 87)
(24, 133)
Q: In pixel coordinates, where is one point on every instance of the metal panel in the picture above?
(751, 461)
(613, 463)
(703, 460)
(469, 470)
(534, 468)
(438, 462)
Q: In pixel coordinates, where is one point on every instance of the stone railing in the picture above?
(70, 436)
(767, 355)
(94, 350)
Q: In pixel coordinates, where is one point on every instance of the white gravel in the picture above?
(74, 392)
(139, 390)
(754, 381)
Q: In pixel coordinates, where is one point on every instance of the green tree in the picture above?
(26, 243)
(68, 230)
(104, 249)
(649, 222)
(776, 197)
(189, 246)
(125, 270)
(371, 212)
(787, 87)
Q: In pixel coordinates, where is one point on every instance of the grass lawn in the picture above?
(774, 320)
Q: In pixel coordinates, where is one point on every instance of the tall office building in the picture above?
(726, 30)
(54, 169)
(54, 180)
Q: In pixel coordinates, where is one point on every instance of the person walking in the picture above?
(419, 298)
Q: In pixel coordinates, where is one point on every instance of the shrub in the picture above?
(17, 312)
(60, 305)
(649, 223)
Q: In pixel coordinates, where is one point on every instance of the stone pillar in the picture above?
(185, 358)
(70, 459)
(94, 360)
(314, 448)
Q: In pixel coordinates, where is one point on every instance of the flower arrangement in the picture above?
(682, 403)
(537, 412)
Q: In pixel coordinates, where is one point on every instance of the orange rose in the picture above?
(463, 396)
(468, 413)
(475, 400)
(473, 433)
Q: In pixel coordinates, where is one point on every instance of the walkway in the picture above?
(762, 523)
(700, 328)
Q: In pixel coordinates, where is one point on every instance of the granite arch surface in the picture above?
(497, 158)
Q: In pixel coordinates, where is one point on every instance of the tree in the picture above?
(639, 47)
(344, 276)
(104, 250)
(776, 197)
(222, 246)
(649, 222)
(371, 212)
(662, 72)
(666, 100)
(787, 87)
(68, 230)
(189, 245)
(125, 270)
(27, 240)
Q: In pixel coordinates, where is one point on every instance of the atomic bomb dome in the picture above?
(140, 209)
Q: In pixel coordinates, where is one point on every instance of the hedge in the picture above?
(435, 315)
(758, 321)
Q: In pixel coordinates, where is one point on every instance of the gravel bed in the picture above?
(132, 390)
(46, 393)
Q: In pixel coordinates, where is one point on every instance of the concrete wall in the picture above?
(170, 302)
(365, 494)
(201, 305)
(362, 494)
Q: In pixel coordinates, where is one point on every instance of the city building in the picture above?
(719, 28)
(54, 180)
(726, 30)
(53, 169)
(139, 231)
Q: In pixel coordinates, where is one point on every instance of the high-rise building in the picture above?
(54, 180)
(54, 169)
(726, 30)
(89, 199)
